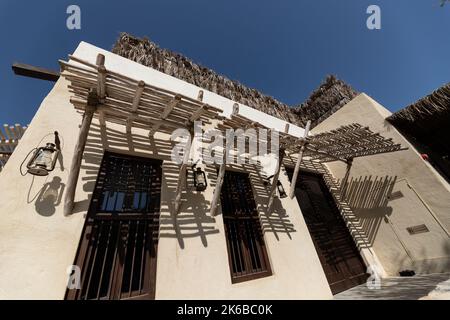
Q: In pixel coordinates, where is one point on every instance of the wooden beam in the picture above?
(78, 153)
(170, 106)
(167, 110)
(197, 114)
(217, 190)
(137, 95)
(101, 78)
(81, 104)
(235, 109)
(299, 161)
(135, 105)
(101, 119)
(286, 128)
(200, 95)
(182, 177)
(275, 180)
(27, 70)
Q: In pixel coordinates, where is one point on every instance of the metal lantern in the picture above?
(200, 182)
(44, 158)
(281, 190)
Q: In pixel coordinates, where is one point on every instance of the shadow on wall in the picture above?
(48, 197)
(369, 199)
(50, 194)
(429, 264)
(277, 220)
(192, 222)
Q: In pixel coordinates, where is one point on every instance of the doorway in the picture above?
(118, 247)
(337, 251)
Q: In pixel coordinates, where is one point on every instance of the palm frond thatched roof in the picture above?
(434, 104)
(328, 98)
(425, 124)
(331, 95)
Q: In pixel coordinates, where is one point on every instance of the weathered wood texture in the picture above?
(76, 160)
(299, 160)
(132, 102)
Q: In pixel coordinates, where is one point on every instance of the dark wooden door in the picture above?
(117, 252)
(247, 254)
(338, 254)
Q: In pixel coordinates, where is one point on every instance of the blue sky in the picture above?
(283, 48)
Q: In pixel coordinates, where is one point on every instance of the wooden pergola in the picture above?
(342, 144)
(113, 97)
(116, 98)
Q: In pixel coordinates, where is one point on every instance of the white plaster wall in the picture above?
(38, 243)
(394, 246)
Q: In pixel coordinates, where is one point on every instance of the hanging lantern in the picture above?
(200, 182)
(281, 191)
(44, 159)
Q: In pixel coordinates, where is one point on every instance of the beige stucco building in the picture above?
(196, 255)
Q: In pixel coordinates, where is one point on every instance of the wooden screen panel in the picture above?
(247, 252)
(118, 249)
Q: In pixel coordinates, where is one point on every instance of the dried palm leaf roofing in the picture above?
(426, 124)
(435, 104)
(327, 99)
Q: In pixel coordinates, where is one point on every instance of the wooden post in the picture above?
(217, 190)
(78, 153)
(299, 161)
(229, 140)
(182, 177)
(275, 180)
(101, 81)
(134, 107)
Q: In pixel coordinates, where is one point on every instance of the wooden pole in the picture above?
(182, 176)
(217, 190)
(299, 161)
(78, 153)
(101, 80)
(275, 180)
